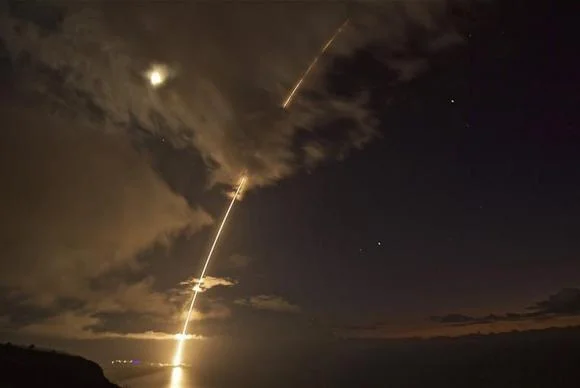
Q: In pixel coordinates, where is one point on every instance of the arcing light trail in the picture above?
(177, 357)
(296, 87)
(157, 78)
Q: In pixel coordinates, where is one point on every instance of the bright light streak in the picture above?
(181, 336)
(176, 377)
(177, 357)
(296, 87)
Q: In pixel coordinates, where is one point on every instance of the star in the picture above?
(452, 101)
(379, 243)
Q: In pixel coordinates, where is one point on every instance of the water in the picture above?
(184, 377)
(509, 360)
(162, 377)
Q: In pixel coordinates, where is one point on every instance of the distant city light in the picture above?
(128, 363)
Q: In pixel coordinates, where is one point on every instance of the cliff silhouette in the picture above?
(31, 367)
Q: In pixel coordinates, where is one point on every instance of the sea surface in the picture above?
(162, 377)
(528, 359)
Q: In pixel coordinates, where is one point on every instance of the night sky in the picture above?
(425, 182)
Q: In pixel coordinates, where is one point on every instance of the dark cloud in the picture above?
(452, 318)
(237, 261)
(269, 302)
(564, 303)
(231, 66)
(358, 327)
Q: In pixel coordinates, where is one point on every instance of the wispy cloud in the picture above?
(237, 261)
(212, 310)
(564, 303)
(77, 204)
(80, 326)
(228, 81)
(269, 302)
(561, 309)
(80, 204)
(209, 282)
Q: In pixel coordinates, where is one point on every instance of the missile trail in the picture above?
(296, 87)
(177, 357)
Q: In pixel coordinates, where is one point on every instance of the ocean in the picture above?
(528, 359)
(162, 377)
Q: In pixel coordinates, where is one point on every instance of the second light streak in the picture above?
(296, 87)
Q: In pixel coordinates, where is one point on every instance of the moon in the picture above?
(157, 75)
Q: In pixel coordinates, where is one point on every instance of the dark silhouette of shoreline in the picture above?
(31, 367)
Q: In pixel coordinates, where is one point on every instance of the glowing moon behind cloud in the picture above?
(157, 75)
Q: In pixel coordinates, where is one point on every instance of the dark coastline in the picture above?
(31, 367)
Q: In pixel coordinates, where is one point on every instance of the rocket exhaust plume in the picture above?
(177, 357)
(296, 87)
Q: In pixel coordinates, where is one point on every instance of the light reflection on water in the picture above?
(176, 377)
(161, 377)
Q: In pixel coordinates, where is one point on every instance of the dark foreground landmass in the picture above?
(29, 367)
